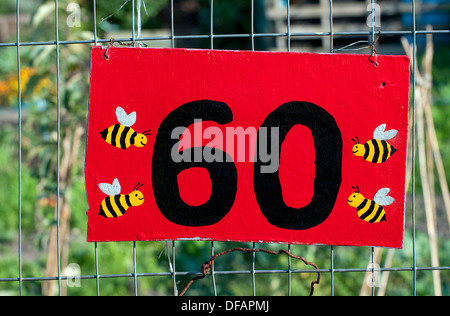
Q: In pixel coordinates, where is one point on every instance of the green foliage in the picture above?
(233, 17)
(9, 173)
(117, 14)
(9, 6)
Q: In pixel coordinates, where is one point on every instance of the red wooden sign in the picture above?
(247, 146)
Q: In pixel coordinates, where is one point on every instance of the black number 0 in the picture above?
(328, 147)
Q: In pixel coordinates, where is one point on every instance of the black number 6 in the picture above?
(165, 170)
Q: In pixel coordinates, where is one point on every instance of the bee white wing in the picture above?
(381, 134)
(110, 189)
(124, 118)
(382, 197)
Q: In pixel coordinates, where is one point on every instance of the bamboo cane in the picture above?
(423, 97)
(71, 144)
(430, 216)
(423, 106)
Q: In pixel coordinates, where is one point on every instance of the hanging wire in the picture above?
(331, 247)
(213, 278)
(206, 267)
(121, 7)
(58, 151)
(19, 109)
(135, 269)
(413, 142)
(361, 45)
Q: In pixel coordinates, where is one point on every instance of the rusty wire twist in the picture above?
(374, 51)
(206, 266)
(111, 44)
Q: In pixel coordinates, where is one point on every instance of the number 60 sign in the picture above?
(246, 146)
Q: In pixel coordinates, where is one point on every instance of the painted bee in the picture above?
(122, 135)
(116, 204)
(368, 210)
(376, 150)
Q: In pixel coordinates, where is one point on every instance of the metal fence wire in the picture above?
(327, 30)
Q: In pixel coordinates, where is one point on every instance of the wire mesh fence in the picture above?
(155, 268)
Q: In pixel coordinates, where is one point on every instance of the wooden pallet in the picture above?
(8, 25)
(348, 16)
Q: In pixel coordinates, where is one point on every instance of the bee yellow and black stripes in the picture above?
(371, 212)
(376, 150)
(368, 210)
(121, 135)
(116, 204)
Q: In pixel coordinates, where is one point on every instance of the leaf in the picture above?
(41, 54)
(44, 11)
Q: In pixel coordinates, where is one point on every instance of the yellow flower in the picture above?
(26, 73)
(13, 83)
(10, 86)
(44, 83)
